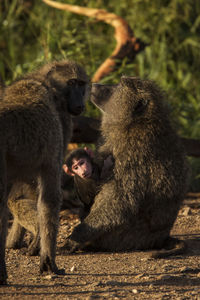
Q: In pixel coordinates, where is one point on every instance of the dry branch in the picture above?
(127, 44)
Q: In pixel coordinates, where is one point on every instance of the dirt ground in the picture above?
(130, 275)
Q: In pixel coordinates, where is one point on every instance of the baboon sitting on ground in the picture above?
(35, 127)
(138, 207)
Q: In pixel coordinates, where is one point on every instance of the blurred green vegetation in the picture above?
(32, 33)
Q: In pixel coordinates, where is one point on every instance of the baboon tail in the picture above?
(173, 247)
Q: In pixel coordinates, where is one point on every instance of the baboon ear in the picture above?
(133, 83)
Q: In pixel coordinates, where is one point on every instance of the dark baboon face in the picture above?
(76, 90)
(70, 86)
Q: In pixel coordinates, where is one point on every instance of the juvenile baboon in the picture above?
(22, 203)
(138, 207)
(35, 127)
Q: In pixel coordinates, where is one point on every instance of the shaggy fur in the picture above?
(35, 127)
(138, 207)
(22, 203)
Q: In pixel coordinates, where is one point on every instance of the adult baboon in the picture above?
(137, 208)
(35, 127)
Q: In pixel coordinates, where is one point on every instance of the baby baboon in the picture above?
(88, 175)
(35, 127)
(137, 208)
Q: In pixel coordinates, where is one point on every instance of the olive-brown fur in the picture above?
(138, 207)
(22, 203)
(35, 127)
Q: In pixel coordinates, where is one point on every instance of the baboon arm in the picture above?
(104, 215)
(15, 236)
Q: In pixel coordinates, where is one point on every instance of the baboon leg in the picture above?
(34, 247)
(15, 236)
(48, 212)
(3, 220)
(93, 230)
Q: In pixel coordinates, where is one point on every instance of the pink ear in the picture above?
(66, 170)
(89, 151)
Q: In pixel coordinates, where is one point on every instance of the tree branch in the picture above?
(127, 44)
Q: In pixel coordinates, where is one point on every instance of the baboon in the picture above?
(88, 175)
(22, 203)
(35, 127)
(136, 209)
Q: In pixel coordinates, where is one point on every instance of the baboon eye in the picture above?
(71, 82)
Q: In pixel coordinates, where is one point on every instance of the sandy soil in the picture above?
(130, 275)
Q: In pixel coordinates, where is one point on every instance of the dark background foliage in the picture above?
(32, 33)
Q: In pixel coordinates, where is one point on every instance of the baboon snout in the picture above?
(101, 93)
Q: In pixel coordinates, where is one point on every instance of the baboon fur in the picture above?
(136, 209)
(35, 127)
(22, 203)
